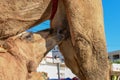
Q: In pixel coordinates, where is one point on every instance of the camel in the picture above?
(83, 22)
(20, 55)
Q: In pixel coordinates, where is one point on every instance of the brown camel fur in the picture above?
(85, 49)
(20, 55)
(83, 20)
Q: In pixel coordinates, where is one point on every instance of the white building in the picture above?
(115, 55)
(49, 65)
(115, 67)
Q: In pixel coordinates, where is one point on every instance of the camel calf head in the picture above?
(26, 50)
(31, 47)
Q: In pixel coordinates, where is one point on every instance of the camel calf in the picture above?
(20, 55)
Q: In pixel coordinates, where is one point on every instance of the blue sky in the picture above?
(111, 20)
(112, 24)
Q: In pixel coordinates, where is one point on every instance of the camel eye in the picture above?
(27, 36)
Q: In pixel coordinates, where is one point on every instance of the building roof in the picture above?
(115, 52)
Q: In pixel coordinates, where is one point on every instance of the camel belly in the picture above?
(17, 16)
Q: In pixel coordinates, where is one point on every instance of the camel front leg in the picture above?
(87, 35)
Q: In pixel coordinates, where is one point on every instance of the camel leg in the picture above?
(88, 50)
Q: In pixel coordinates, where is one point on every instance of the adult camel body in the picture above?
(83, 20)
